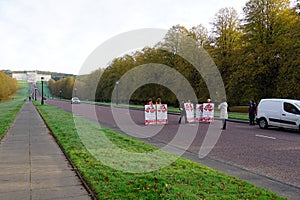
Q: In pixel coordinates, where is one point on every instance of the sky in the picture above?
(59, 35)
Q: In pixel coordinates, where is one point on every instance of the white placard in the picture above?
(189, 109)
(208, 112)
(150, 114)
(162, 114)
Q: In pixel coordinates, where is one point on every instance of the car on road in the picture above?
(284, 113)
(75, 100)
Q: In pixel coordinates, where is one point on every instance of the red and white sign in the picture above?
(162, 114)
(199, 112)
(189, 109)
(208, 112)
(150, 114)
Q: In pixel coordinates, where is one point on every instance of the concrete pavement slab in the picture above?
(11, 168)
(14, 185)
(54, 182)
(15, 177)
(46, 175)
(12, 195)
(44, 162)
(76, 198)
(68, 192)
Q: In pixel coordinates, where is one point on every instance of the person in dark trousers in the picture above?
(182, 112)
(252, 112)
(223, 113)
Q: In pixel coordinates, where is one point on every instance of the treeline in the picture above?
(8, 86)
(62, 88)
(84, 86)
(257, 57)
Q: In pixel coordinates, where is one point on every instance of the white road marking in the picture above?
(264, 136)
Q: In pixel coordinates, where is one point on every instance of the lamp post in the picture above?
(42, 79)
(75, 89)
(35, 89)
(117, 93)
(60, 94)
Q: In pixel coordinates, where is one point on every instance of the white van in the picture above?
(283, 113)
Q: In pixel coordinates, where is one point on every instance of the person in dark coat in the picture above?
(182, 112)
(252, 112)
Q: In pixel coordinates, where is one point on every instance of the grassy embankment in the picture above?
(9, 109)
(183, 179)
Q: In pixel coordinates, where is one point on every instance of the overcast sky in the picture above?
(58, 35)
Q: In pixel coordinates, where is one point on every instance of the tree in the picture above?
(227, 44)
(173, 38)
(287, 57)
(201, 35)
(263, 26)
(8, 86)
(62, 88)
(87, 84)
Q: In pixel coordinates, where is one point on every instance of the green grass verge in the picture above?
(11, 108)
(183, 179)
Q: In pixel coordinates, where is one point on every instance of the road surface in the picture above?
(273, 153)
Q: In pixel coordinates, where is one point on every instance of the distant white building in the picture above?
(31, 76)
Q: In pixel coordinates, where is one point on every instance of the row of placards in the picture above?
(156, 114)
(204, 112)
(159, 114)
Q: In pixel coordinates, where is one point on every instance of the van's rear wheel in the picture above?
(263, 123)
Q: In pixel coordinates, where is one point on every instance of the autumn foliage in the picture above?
(8, 86)
(62, 88)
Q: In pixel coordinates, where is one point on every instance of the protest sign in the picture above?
(162, 114)
(150, 115)
(189, 109)
(208, 112)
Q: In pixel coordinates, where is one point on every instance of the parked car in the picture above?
(75, 100)
(283, 113)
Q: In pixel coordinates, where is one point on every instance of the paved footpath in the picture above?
(32, 166)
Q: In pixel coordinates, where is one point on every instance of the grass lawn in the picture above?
(183, 179)
(9, 109)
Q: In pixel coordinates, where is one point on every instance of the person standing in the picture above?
(149, 102)
(158, 101)
(182, 112)
(223, 112)
(252, 112)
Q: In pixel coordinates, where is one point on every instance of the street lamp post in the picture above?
(35, 89)
(42, 79)
(75, 89)
(117, 92)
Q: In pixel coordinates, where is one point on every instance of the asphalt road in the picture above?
(273, 153)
